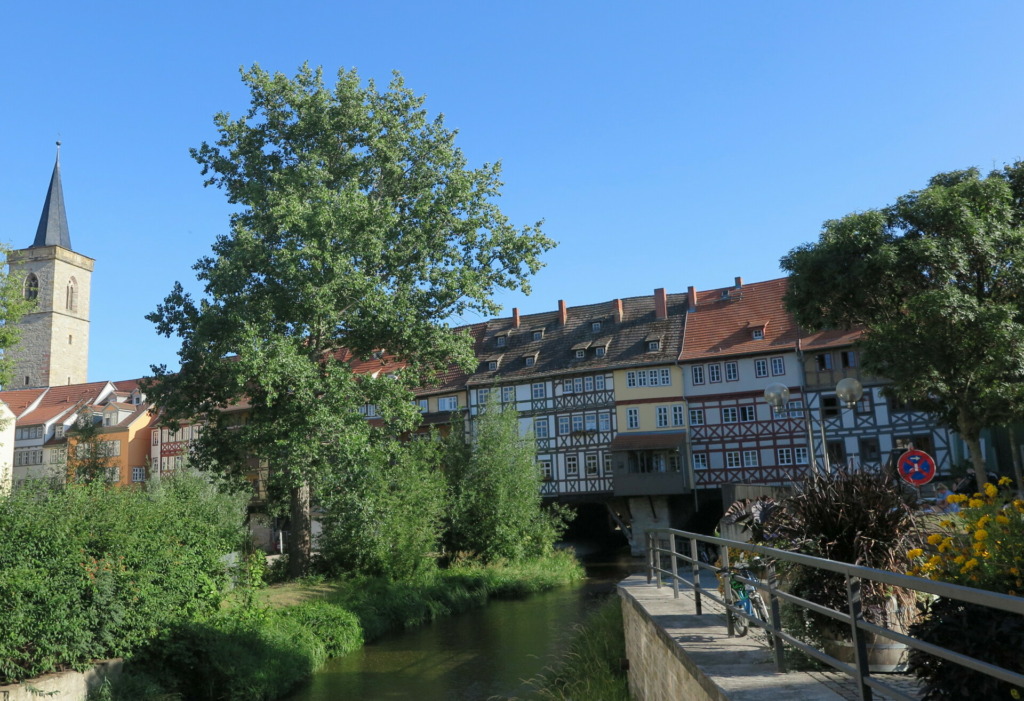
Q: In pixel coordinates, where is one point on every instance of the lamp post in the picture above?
(848, 391)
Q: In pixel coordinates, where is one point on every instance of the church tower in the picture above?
(54, 346)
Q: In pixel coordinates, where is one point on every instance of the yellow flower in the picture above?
(915, 552)
(975, 503)
(1018, 504)
(934, 561)
(961, 498)
(945, 545)
(934, 539)
(946, 524)
(1002, 519)
(1014, 571)
(1005, 481)
(991, 490)
(959, 559)
(980, 534)
(968, 566)
(983, 521)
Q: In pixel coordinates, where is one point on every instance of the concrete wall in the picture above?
(65, 686)
(658, 669)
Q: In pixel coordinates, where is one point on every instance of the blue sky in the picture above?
(665, 144)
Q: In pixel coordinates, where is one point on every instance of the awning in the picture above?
(648, 441)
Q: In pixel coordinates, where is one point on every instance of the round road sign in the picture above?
(916, 467)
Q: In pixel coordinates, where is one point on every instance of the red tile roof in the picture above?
(60, 399)
(725, 318)
(20, 399)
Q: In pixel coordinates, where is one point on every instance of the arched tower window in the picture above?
(72, 296)
(31, 286)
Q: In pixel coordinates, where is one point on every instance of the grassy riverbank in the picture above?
(262, 647)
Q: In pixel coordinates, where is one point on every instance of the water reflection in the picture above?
(476, 655)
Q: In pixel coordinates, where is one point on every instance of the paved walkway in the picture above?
(744, 667)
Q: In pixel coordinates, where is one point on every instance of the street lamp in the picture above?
(848, 391)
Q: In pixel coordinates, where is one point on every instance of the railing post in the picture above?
(675, 564)
(860, 650)
(727, 594)
(774, 610)
(695, 568)
(649, 537)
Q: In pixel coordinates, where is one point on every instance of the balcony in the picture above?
(649, 465)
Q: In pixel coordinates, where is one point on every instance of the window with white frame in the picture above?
(156, 436)
(599, 352)
(700, 461)
(795, 408)
(508, 394)
(58, 456)
(607, 463)
(604, 421)
(778, 366)
(729, 415)
(801, 455)
(750, 458)
(577, 423)
(590, 463)
(696, 417)
(138, 474)
(662, 415)
(482, 394)
(641, 378)
(599, 382)
(563, 425)
(421, 404)
(784, 456)
(572, 466)
(492, 364)
(653, 346)
(501, 341)
(760, 368)
(697, 374)
(665, 374)
(529, 360)
(540, 428)
(595, 326)
(732, 371)
(581, 353)
(632, 418)
(758, 333)
(631, 378)
(369, 410)
(447, 403)
(545, 469)
(588, 383)
(714, 372)
(677, 414)
(748, 413)
(538, 390)
(590, 422)
(58, 431)
(537, 335)
(577, 384)
(732, 458)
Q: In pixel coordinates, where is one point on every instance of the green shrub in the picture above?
(89, 572)
(337, 628)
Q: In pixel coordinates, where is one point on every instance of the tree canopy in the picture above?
(359, 227)
(937, 282)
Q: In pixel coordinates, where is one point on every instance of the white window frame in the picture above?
(591, 464)
(588, 383)
(538, 335)
(730, 415)
(138, 474)
(714, 372)
(604, 421)
(750, 458)
(508, 394)
(784, 456)
(662, 414)
(697, 374)
(778, 366)
(757, 334)
(529, 360)
(590, 422)
(632, 418)
(595, 326)
(577, 423)
(545, 469)
(700, 461)
(482, 395)
(447, 403)
(599, 382)
(581, 353)
(653, 346)
(538, 390)
(501, 341)
(678, 415)
(572, 466)
(540, 427)
(748, 412)
(732, 459)
(492, 364)
(732, 371)
(800, 455)
(563, 425)
(696, 417)
(666, 377)
(761, 367)
(599, 352)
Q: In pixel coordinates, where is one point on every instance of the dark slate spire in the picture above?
(53, 223)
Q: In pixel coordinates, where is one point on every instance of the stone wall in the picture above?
(63, 686)
(658, 668)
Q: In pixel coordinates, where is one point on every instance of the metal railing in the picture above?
(662, 545)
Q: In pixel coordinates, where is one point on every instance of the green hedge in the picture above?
(89, 572)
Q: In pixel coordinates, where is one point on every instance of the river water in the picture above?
(488, 652)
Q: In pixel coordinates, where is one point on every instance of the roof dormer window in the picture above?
(654, 345)
(595, 327)
(758, 334)
(501, 341)
(599, 352)
(530, 360)
(581, 353)
(492, 364)
(538, 335)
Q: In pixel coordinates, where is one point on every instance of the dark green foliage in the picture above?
(232, 657)
(497, 511)
(336, 628)
(384, 517)
(88, 572)
(992, 636)
(89, 456)
(936, 280)
(859, 518)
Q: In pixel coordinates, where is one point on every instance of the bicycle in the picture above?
(747, 597)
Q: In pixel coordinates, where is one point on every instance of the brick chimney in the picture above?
(660, 304)
(617, 311)
(739, 283)
(691, 298)
(515, 317)
(562, 311)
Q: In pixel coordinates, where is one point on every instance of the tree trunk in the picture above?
(977, 459)
(299, 537)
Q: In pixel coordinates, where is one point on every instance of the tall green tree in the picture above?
(359, 227)
(937, 282)
(14, 304)
(89, 457)
(497, 510)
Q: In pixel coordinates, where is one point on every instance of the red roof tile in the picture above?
(20, 399)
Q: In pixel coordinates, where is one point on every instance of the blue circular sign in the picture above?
(916, 467)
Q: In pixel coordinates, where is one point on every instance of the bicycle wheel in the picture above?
(761, 611)
(739, 623)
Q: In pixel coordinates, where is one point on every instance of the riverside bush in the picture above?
(88, 571)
